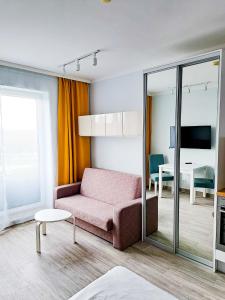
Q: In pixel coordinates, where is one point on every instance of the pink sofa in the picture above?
(107, 204)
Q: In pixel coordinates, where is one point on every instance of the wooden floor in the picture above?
(63, 268)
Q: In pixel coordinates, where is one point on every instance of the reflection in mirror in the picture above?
(160, 118)
(197, 159)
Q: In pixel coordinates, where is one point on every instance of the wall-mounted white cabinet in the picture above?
(98, 125)
(84, 123)
(114, 124)
(132, 123)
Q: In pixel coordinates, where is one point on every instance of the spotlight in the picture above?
(216, 62)
(105, 1)
(77, 65)
(94, 60)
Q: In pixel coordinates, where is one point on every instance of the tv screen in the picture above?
(194, 137)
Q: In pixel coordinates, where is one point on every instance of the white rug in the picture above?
(120, 283)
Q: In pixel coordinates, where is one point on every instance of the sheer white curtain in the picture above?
(28, 130)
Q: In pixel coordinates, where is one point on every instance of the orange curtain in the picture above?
(148, 134)
(73, 150)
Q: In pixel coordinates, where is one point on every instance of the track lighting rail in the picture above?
(78, 59)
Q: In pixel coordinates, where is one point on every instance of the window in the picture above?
(25, 151)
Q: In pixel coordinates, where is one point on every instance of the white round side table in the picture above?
(49, 216)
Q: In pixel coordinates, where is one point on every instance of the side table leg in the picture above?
(38, 238)
(44, 228)
(74, 230)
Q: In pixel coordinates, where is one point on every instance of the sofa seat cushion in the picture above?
(95, 212)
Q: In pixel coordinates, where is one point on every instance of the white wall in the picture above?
(198, 108)
(123, 93)
(163, 116)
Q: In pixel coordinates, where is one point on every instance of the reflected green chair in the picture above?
(204, 183)
(155, 160)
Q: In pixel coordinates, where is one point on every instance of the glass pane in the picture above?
(160, 121)
(197, 159)
(20, 151)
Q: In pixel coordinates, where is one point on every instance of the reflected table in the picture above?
(189, 169)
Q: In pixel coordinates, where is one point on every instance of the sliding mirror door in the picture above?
(198, 160)
(160, 118)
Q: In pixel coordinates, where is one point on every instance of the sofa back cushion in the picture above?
(110, 186)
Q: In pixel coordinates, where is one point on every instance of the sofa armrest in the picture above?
(151, 215)
(127, 224)
(67, 190)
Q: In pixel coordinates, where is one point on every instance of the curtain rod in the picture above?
(41, 71)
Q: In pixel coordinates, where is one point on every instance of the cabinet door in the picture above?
(84, 123)
(114, 125)
(132, 123)
(98, 125)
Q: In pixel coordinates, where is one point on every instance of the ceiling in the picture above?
(133, 34)
(194, 77)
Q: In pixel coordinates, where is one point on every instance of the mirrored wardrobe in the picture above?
(181, 153)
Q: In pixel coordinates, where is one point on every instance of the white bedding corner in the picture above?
(120, 283)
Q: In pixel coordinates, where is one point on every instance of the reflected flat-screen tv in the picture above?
(193, 137)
